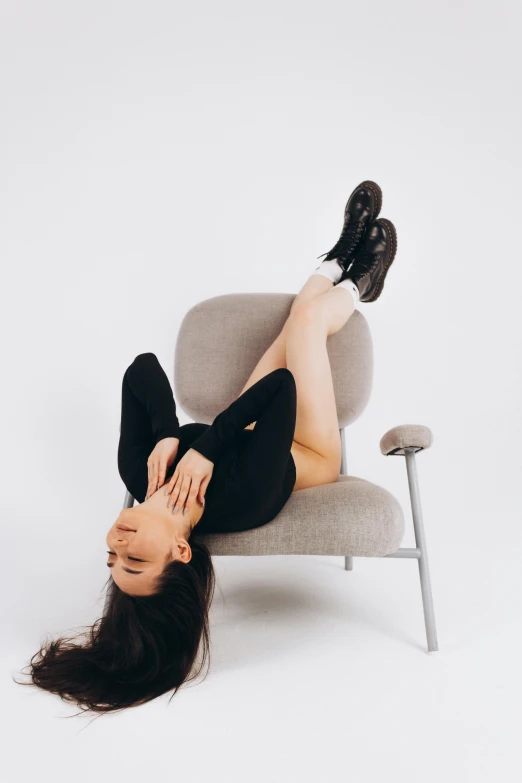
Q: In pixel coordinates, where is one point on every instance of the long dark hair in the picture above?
(142, 646)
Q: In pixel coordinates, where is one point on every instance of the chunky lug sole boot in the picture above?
(361, 209)
(370, 265)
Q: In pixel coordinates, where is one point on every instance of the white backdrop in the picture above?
(155, 154)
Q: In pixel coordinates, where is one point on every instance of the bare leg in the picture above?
(301, 346)
(307, 329)
(275, 355)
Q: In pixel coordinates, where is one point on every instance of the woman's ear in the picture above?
(181, 550)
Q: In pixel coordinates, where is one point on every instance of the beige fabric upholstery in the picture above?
(407, 435)
(348, 517)
(219, 343)
(221, 339)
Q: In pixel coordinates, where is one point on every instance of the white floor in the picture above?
(315, 672)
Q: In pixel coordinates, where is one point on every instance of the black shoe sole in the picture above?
(393, 241)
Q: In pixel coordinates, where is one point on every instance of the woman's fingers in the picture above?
(192, 495)
(160, 458)
(156, 478)
(183, 493)
(152, 486)
(162, 469)
(182, 489)
(173, 499)
(172, 481)
(188, 482)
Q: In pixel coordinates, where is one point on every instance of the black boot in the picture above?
(362, 207)
(370, 265)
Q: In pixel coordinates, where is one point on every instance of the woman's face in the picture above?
(140, 544)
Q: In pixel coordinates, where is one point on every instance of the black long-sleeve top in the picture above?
(254, 471)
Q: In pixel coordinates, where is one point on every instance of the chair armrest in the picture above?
(406, 436)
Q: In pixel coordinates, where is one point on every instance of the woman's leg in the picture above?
(317, 443)
(275, 355)
(301, 346)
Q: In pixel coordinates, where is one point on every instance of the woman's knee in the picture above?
(308, 312)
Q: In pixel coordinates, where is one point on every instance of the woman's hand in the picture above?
(163, 455)
(189, 481)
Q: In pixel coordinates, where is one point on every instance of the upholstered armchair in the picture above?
(219, 343)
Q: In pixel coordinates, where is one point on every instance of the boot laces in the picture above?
(364, 263)
(347, 242)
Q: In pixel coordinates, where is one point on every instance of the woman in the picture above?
(280, 435)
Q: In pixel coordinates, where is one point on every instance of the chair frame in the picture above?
(419, 552)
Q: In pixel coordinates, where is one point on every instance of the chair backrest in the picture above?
(221, 339)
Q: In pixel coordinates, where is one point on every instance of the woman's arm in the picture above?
(151, 387)
(271, 403)
(148, 415)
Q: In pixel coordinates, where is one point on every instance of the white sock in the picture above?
(351, 287)
(329, 269)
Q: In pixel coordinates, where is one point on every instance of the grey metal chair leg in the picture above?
(420, 540)
(128, 502)
(348, 560)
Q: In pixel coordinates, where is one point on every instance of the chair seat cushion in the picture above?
(350, 516)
